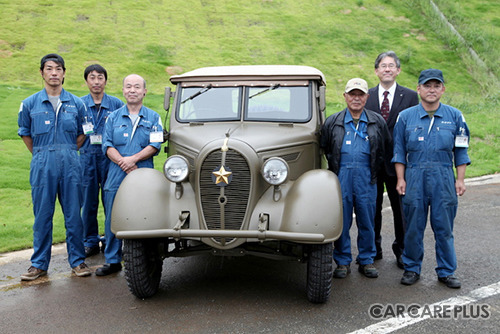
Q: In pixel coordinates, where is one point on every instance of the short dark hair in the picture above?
(391, 54)
(95, 67)
(52, 57)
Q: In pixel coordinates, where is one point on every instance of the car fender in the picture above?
(313, 204)
(146, 201)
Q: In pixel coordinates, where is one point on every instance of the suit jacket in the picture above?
(403, 98)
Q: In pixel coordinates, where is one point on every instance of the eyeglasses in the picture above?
(391, 66)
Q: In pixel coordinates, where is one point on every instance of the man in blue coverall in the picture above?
(95, 164)
(50, 124)
(428, 138)
(356, 141)
(133, 135)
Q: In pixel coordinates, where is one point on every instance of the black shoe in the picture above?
(90, 251)
(450, 281)
(409, 278)
(399, 262)
(108, 268)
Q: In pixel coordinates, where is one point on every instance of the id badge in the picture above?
(88, 128)
(156, 137)
(96, 139)
(461, 141)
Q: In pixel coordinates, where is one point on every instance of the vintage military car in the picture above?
(243, 177)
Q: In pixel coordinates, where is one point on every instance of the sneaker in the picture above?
(33, 273)
(341, 271)
(368, 270)
(409, 278)
(450, 281)
(82, 270)
(90, 251)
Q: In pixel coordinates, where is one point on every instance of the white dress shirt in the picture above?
(390, 96)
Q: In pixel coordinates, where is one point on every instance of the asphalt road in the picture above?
(252, 295)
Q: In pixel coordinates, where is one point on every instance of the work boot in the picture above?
(341, 271)
(450, 281)
(108, 268)
(82, 270)
(368, 270)
(33, 273)
(409, 278)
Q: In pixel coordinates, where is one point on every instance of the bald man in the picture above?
(130, 140)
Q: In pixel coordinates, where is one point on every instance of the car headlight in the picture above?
(176, 168)
(275, 171)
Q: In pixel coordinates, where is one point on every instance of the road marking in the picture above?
(393, 324)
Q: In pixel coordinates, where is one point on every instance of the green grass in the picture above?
(160, 38)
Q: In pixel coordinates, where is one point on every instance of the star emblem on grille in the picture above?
(222, 176)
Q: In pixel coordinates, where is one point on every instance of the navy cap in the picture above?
(430, 74)
(52, 57)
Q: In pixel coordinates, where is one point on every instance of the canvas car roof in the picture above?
(251, 72)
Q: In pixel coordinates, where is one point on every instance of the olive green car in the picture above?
(243, 177)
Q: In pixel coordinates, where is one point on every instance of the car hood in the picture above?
(259, 136)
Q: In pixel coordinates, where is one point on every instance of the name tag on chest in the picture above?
(96, 139)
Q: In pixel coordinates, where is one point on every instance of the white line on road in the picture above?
(393, 324)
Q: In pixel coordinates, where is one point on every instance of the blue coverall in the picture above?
(94, 166)
(119, 133)
(358, 193)
(427, 147)
(54, 171)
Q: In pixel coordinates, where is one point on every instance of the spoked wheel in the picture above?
(320, 273)
(143, 266)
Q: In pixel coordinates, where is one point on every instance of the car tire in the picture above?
(319, 272)
(143, 266)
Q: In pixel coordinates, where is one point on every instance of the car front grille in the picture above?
(225, 208)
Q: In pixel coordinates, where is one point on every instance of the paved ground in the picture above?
(251, 295)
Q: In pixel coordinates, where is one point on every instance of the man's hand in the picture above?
(460, 187)
(127, 164)
(401, 187)
(460, 183)
(400, 172)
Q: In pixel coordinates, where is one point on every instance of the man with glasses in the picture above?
(389, 98)
(428, 139)
(356, 141)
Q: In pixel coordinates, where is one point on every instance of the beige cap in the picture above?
(356, 83)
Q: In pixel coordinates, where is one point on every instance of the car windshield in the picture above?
(270, 103)
(203, 104)
(278, 103)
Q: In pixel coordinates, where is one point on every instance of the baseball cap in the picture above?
(356, 83)
(430, 74)
(52, 57)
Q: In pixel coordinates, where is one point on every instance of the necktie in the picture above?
(384, 110)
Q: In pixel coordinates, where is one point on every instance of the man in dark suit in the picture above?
(389, 99)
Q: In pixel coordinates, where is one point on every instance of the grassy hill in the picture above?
(158, 38)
